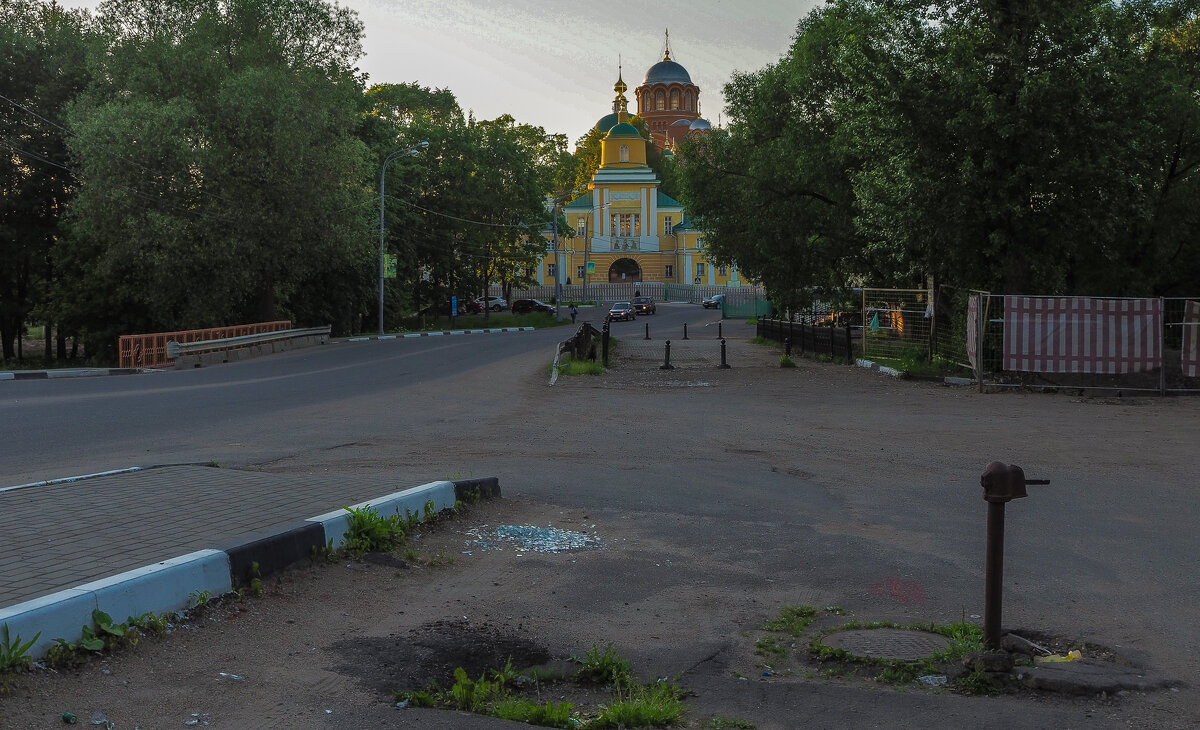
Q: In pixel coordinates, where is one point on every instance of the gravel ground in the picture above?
(715, 498)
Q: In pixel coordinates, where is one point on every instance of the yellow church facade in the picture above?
(624, 229)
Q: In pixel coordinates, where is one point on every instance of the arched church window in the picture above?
(675, 99)
(687, 101)
(660, 100)
(624, 153)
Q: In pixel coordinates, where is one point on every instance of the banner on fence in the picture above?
(1191, 340)
(1082, 335)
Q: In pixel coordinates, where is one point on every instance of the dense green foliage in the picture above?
(1014, 146)
(180, 164)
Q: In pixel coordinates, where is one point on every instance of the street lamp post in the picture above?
(408, 152)
(557, 267)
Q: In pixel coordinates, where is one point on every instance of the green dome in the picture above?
(624, 129)
(607, 122)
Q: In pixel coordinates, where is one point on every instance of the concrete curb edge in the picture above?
(173, 585)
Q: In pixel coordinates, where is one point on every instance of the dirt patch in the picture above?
(433, 651)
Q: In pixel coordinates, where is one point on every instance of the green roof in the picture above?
(583, 201)
(607, 122)
(666, 201)
(624, 129)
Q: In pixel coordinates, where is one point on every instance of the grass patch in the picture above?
(792, 620)
(580, 367)
(509, 694)
(658, 705)
(605, 666)
(965, 638)
(915, 361)
(786, 362)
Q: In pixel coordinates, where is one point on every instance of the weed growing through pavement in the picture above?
(502, 692)
(14, 654)
(786, 362)
(792, 620)
(369, 532)
(255, 586)
(604, 666)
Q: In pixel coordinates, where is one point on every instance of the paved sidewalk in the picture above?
(62, 535)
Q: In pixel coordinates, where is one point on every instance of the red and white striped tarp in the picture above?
(1082, 335)
(1191, 339)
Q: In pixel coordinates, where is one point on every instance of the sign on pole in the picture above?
(591, 267)
(389, 266)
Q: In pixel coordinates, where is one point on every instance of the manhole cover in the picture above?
(901, 644)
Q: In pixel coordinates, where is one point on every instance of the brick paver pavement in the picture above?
(62, 535)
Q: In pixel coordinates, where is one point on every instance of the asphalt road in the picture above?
(722, 496)
(260, 410)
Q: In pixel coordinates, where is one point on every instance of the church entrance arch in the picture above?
(624, 271)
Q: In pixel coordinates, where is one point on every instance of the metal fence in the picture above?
(802, 339)
(150, 350)
(1163, 361)
(897, 323)
(607, 292)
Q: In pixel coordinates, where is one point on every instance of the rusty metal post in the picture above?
(1001, 484)
(993, 576)
(724, 365)
(647, 330)
(685, 330)
(667, 360)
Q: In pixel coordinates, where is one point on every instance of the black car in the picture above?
(644, 305)
(525, 306)
(713, 302)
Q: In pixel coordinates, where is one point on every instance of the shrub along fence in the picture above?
(803, 339)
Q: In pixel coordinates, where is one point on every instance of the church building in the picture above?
(624, 228)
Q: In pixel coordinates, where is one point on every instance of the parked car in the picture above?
(622, 311)
(465, 306)
(493, 303)
(713, 302)
(644, 305)
(525, 306)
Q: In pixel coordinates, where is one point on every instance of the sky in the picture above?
(553, 63)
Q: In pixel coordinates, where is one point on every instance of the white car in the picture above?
(493, 303)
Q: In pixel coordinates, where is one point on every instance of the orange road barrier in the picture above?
(150, 350)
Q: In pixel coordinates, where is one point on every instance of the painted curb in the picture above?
(73, 373)
(441, 333)
(172, 585)
(163, 587)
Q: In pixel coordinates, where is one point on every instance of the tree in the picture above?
(41, 72)
(1009, 145)
(223, 179)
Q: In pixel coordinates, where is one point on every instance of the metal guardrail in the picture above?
(177, 349)
(150, 350)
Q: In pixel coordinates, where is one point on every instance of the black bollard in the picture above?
(724, 365)
(787, 346)
(647, 330)
(685, 330)
(604, 344)
(719, 335)
(667, 360)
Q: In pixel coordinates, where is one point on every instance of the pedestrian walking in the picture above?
(574, 313)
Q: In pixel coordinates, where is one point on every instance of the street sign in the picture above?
(454, 306)
(389, 266)
(591, 267)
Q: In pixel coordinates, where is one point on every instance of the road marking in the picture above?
(68, 480)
